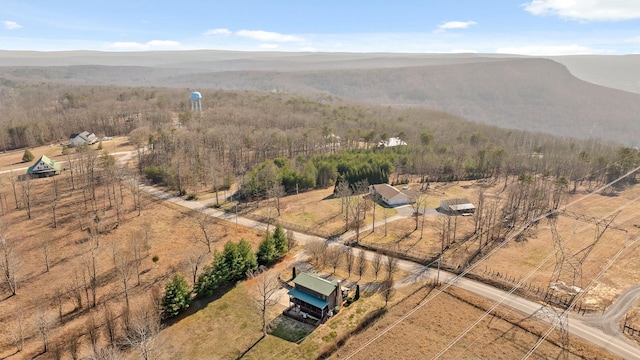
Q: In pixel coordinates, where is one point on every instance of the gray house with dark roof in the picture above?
(315, 296)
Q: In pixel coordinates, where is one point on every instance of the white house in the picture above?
(390, 195)
(391, 142)
(83, 138)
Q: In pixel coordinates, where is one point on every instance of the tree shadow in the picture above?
(250, 347)
(198, 304)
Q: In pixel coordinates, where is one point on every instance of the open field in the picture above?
(316, 209)
(71, 253)
(504, 335)
(13, 159)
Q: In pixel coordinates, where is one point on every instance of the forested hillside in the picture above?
(239, 130)
(518, 93)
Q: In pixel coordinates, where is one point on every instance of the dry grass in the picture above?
(171, 230)
(501, 336)
(316, 209)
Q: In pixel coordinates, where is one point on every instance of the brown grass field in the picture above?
(227, 325)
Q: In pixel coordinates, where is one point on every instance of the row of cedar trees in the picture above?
(235, 262)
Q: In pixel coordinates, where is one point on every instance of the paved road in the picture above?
(601, 330)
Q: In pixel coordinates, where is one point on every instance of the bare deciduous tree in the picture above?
(73, 346)
(92, 331)
(376, 263)
(276, 192)
(361, 263)
(142, 328)
(349, 258)
(111, 352)
(195, 261)
(123, 269)
(110, 324)
(27, 187)
(204, 222)
(266, 285)
(45, 244)
(9, 261)
(16, 332)
(334, 256)
(317, 250)
(42, 323)
(391, 266)
(386, 290)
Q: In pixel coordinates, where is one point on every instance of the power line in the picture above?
(484, 258)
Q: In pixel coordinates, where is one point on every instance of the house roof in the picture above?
(317, 284)
(385, 190)
(54, 166)
(458, 204)
(394, 141)
(309, 299)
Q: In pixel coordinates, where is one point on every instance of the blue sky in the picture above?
(531, 27)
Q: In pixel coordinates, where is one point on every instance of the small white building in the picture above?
(390, 195)
(83, 138)
(391, 142)
(459, 206)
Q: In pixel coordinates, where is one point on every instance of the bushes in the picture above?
(155, 174)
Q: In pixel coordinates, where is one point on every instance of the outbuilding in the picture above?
(460, 206)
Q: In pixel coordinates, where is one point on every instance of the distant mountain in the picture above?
(516, 92)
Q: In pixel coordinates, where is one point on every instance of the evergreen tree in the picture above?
(27, 156)
(207, 282)
(177, 296)
(280, 240)
(228, 264)
(267, 252)
(249, 261)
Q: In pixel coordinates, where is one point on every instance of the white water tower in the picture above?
(196, 101)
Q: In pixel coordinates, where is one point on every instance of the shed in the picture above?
(460, 206)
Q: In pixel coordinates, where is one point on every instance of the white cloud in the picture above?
(268, 36)
(547, 50)
(586, 10)
(223, 31)
(11, 25)
(149, 45)
(269, 46)
(456, 25)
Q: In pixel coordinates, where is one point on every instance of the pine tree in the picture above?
(267, 252)
(280, 240)
(177, 296)
(249, 261)
(27, 156)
